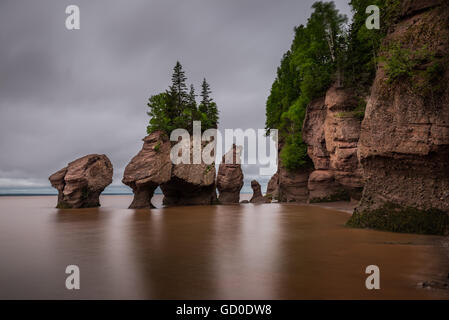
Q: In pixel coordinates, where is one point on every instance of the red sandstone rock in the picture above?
(273, 187)
(331, 132)
(342, 132)
(182, 184)
(230, 178)
(410, 7)
(293, 185)
(322, 186)
(290, 186)
(257, 193)
(80, 184)
(150, 168)
(404, 141)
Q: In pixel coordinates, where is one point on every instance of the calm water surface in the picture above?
(270, 251)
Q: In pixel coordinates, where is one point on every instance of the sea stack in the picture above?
(230, 177)
(257, 193)
(181, 184)
(150, 168)
(80, 184)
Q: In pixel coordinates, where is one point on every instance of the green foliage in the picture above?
(294, 153)
(306, 71)
(208, 108)
(399, 63)
(358, 112)
(324, 51)
(177, 108)
(157, 147)
(159, 112)
(435, 72)
(395, 218)
(402, 62)
(208, 168)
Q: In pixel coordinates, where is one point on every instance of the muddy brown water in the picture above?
(269, 251)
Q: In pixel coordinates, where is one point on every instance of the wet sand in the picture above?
(268, 251)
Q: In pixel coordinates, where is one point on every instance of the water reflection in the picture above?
(216, 252)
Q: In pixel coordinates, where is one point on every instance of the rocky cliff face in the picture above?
(80, 184)
(288, 185)
(230, 177)
(293, 185)
(404, 140)
(182, 184)
(331, 131)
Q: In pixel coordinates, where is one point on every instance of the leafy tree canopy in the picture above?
(323, 51)
(177, 107)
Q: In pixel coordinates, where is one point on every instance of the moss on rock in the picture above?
(395, 218)
(341, 195)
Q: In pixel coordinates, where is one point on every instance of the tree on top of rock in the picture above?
(178, 89)
(208, 108)
(177, 107)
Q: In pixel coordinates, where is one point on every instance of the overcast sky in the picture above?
(65, 94)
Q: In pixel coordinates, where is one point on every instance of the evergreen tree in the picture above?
(306, 71)
(178, 89)
(191, 110)
(208, 108)
(179, 97)
(205, 93)
(177, 107)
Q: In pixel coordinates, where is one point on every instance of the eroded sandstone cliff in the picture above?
(404, 140)
(331, 131)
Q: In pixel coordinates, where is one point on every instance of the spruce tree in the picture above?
(177, 107)
(178, 89)
(205, 93)
(208, 108)
(178, 98)
(191, 110)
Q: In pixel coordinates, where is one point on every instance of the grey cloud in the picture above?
(65, 93)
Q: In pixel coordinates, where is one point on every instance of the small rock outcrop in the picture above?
(182, 184)
(273, 187)
(150, 168)
(257, 193)
(288, 185)
(230, 177)
(80, 184)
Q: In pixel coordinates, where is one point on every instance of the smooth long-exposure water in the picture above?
(270, 251)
